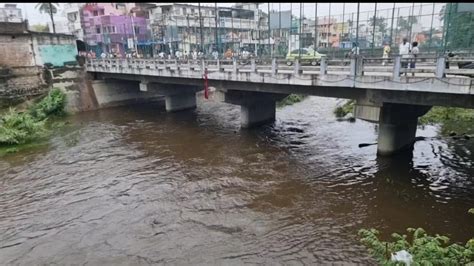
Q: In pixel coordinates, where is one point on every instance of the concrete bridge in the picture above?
(389, 95)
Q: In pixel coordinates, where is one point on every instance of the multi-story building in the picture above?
(177, 26)
(10, 13)
(113, 27)
(72, 13)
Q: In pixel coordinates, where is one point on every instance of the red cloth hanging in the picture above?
(206, 85)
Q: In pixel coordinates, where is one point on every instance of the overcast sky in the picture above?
(35, 17)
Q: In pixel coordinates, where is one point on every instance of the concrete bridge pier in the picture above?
(256, 108)
(177, 97)
(257, 113)
(180, 102)
(397, 127)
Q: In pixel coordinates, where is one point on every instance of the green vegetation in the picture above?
(18, 128)
(425, 249)
(451, 119)
(291, 99)
(343, 110)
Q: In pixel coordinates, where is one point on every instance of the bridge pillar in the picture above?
(179, 102)
(256, 108)
(257, 113)
(397, 127)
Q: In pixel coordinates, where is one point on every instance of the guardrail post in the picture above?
(274, 66)
(360, 66)
(253, 66)
(323, 66)
(353, 66)
(297, 67)
(396, 68)
(234, 65)
(218, 65)
(440, 66)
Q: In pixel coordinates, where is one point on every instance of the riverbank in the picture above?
(20, 129)
(457, 120)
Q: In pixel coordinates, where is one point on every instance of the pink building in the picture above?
(113, 27)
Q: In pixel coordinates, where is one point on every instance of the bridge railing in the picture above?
(359, 66)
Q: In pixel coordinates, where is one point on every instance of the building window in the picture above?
(184, 11)
(95, 13)
(97, 29)
(192, 10)
(101, 12)
(137, 29)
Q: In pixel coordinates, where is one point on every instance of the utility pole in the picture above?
(373, 29)
(315, 26)
(200, 28)
(391, 27)
(357, 26)
(299, 39)
(217, 41)
(269, 44)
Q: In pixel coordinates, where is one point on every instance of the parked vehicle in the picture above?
(308, 56)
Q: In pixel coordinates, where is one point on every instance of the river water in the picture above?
(136, 186)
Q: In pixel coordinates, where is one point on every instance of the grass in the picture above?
(20, 128)
(291, 99)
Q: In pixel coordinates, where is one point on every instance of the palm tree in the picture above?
(50, 8)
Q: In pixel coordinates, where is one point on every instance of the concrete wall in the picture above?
(20, 83)
(57, 55)
(16, 50)
(54, 49)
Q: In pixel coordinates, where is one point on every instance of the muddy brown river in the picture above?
(136, 186)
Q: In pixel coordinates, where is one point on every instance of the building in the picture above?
(177, 26)
(113, 27)
(20, 47)
(10, 13)
(72, 13)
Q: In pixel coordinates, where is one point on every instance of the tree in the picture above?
(457, 26)
(404, 25)
(380, 22)
(50, 8)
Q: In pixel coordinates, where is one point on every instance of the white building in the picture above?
(10, 13)
(72, 13)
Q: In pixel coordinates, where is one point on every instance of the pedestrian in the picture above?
(404, 51)
(386, 53)
(186, 55)
(414, 53)
(228, 54)
(215, 54)
(355, 49)
(195, 55)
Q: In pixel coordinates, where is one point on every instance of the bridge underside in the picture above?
(396, 111)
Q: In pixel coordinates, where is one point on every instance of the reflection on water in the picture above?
(135, 185)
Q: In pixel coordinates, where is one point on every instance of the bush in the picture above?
(291, 99)
(19, 128)
(346, 108)
(425, 249)
(52, 104)
(22, 127)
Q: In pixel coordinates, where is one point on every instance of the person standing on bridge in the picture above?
(404, 51)
(386, 53)
(414, 53)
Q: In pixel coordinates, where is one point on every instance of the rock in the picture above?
(452, 134)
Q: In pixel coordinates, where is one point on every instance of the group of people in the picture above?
(408, 51)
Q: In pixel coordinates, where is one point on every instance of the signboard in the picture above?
(130, 43)
(282, 18)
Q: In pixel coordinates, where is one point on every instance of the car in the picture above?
(307, 56)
